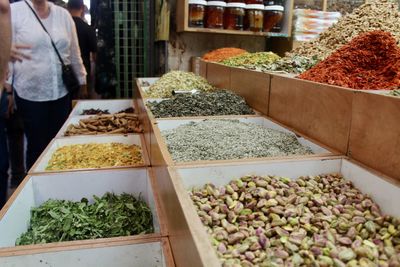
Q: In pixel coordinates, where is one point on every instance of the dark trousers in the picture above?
(42, 121)
(15, 136)
(3, 152)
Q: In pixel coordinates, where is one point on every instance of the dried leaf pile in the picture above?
(177, 80)
(84, 156)
(221, 54)
(374, 15)
(109, 216)
(218, 103)
(370, 61)
(121, 123)
(93, 111)
(253, 61)
(295, 64)
(272, 221)
(229, 139)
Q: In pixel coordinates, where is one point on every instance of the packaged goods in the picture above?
(197, 13)
(109, 216)
(251, 60)
(120, 123)
(310, 221)
(234, 16)
(229, 139)
(215, 14)
(177, 80)
(216, 103)
(94, 155)
(374, 15)
(221, 54)
(370, 61)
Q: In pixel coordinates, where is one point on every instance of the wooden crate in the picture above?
(219, 75)
(42, 162)
(113, 106)
(192, 234)
(147, 252)
(375, 132)
(319, 111)
(36, 189)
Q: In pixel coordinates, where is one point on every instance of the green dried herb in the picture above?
(229, 139)
(216, 103)
(178, 80)
(251, 60)
(295, 64)
(394, 93)
(109, 216)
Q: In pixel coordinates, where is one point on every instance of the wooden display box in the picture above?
(42, 162)
(375, 132)
(36, 189)
(167, 124)
(219, 75)
(317, 110)
(190, 242)
(149, 252)
(113, 106)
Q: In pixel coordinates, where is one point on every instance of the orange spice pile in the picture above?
(223, 53)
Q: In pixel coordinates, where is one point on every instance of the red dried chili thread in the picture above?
(370, 61)
(221, 54)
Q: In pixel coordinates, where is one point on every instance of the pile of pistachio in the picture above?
(177, 81)
(311, 221)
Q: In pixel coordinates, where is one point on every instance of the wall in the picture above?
(183, 46)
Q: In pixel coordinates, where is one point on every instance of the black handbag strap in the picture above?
(44, 28)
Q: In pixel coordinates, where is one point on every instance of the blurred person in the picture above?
(39, 91)
(5, 45)
(86, 36)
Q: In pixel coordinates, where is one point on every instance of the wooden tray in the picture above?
(189, 240)
(113, 106)
(41, 164)
(36, 189)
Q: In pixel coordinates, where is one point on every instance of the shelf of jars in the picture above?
(271, 18)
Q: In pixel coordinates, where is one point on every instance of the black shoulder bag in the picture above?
(70, 80)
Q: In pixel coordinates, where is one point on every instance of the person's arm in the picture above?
(5, 37)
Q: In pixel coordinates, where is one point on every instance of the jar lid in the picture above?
(274, 8)
(198, 2)
(255, 6)
(216, 3)
(237, 4)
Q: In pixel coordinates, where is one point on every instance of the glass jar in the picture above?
(196, 13)
(254, 2)
(273, 15)
(234, 16)
(253, 19)
(215, 14)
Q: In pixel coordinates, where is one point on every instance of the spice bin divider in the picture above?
(131, 139)
(194, 236)
(113, 106)
(160, 125)
(219, 75)
(203, 68)
(320, 111)
(375, 132)
(145, 252)
(36, 189)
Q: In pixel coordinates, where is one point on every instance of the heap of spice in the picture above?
(180, 81)
(93, 111)
(310, 221)
(370, 61)
(121, 123)
(374, 15)
(295, 64)
(223, 53)
(216, 103)
(344, 6)
(252, 60)
(109, 216)
(87, 156)
(229, 139)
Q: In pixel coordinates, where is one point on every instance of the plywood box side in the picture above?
(319, 111)
(375, 133)
(218, 75)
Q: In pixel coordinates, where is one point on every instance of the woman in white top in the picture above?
(39, 91)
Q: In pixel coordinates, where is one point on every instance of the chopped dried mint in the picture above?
(251, 60)
(178, 81)
(229, 139)
(311, 221)
(216, 103)
(84, 156)
(93, 111)
(109, 216)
